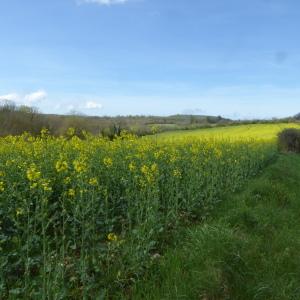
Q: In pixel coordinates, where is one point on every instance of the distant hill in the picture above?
(297, 117)
(17, 119)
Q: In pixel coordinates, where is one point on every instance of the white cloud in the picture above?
(35, 97)
(27, 99)
(93, 105)
(104, 2)
(9, 97)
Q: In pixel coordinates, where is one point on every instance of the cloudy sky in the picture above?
(236, 58)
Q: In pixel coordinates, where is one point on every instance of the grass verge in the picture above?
(248, 249)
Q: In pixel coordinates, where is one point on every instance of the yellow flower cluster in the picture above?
(33, 174)
(45, 183)
(2, 186)
(149, 173)
(176, 173)
(79, 166)
(19, 212)
(70, 131)
(34, 177)
(112, 237)
(67, 180)
(132, 167)
(71, 193)
(107, 161)
(93, 181)
(61, 166)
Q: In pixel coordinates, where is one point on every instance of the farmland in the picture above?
(255, 131)
(87, 217)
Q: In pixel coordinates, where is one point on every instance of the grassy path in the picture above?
(249, 249)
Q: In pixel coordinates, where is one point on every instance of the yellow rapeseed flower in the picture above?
(61, 166)
(19, 212)
(149, 173)
(1, 186)
(218, 153)
(93, 181)
(112, 237)
(32, 173)
(131, 167)
(176, 173)
(154, 168)
(44, 132)
(145, 169)
(46, 185)
(108, 162)
(70, 131)
(71, 193)
(67, 180)
(33, 185)
(79, 166)
(173, 158)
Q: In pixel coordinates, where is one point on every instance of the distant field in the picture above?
(257, 131)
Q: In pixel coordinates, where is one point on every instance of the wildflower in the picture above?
(44, 132)
(154, 129)
(70, 131)
(131, 167)
(93, 181)
(149, 173)
(46, 185)
(61, 166)
(158, 154)
(154, 168)
(10, 162)
(79, 166)
(108, 162)
(67, 180)
(33, 185)
(145, 169)
(19, 212)
(33, 174)
(176, 173)
(71, 193)
(173, 158)
(218, 153)
(82, 191)
(1, 186)
(112, 237)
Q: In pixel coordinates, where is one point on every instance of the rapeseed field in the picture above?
(84, 218)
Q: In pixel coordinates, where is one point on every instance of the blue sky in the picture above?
(236, 58)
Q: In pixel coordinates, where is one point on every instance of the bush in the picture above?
(289, 140)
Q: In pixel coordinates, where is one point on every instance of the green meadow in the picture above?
(248, 248)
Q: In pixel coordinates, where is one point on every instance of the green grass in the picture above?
(248, 249)
(257, 131)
